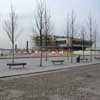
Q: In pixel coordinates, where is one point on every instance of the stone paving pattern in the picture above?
(74, 83)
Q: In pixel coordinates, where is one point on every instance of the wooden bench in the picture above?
(16, 64)
(84, 60)
(97, 58)
(58, 61)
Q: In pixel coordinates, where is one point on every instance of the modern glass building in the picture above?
(62, 43)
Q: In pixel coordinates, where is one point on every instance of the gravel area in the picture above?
(75, 83)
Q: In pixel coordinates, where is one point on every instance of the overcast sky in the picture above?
(58, 10)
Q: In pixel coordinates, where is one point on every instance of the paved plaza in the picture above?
(33, 66)
(77, 82)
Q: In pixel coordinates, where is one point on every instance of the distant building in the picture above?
(63, 43)
(74, 44)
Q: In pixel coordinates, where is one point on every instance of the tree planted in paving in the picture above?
(42, 27)
(39, 24)
(47, 28)
(72, 26)
(10, 27)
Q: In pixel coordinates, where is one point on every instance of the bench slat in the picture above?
(16, 64)
(57, 61)
(84, 60)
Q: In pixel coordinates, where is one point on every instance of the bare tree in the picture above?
(95, 37)
(27, 46)
(47, 28)
(10, 27)
(39, 24)
(95, 40)
(83, 33)
(90, 22)
(67, 33)
(73, 20)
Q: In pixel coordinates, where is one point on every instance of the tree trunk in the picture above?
(41, 48)
(13, 53)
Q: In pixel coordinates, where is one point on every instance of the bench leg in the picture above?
(23, 66)
(53, 63)
(9, 67)
(62, 63)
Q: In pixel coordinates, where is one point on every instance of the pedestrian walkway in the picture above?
(32, 68)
